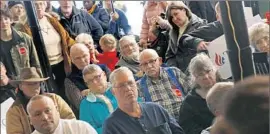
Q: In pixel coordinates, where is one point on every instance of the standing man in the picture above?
(77, 21)
(118, 25)
(17, 48)
(132, 117)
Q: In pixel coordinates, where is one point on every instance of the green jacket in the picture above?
(23, 52)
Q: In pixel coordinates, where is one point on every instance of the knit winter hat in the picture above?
(13, 3)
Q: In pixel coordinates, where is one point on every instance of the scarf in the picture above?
(92, 9)
(77, 78)
(133, 65)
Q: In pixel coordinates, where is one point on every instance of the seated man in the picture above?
(214, 99)
(163, 85)
(45, 117)
(129, 50)
(246, 107)
(132, 117)
(74, 83)
(29, 86)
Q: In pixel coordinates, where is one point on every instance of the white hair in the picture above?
(91, 68)
(117, 71)
(84, 38)
(129, 38)
(215, 95)
(152, 52)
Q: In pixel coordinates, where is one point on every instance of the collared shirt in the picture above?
(154, 120)
(72, 127)
(161, 90)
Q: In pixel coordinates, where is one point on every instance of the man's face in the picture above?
(30, 89)
(81, 58)
(125, 88)
(96, 81)
(88, 4)
(40, 8)
(107, 4)
(129, 49)
(66, 7)
(44, 115)
(150, 64)
(179, 16)
(17, 10)
(5, 23)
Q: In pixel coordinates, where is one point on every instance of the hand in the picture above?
(114, 16)
(202, 46)
(85, 92)
(143, 43)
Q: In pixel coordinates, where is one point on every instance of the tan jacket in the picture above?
(17, 118)
(66, 40)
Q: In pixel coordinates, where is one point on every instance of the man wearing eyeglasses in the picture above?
(132, 117)
(165, 86)
(74, 83)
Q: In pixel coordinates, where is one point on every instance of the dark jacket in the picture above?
(207, 33)
(81, 22)
(194, 114)
(120, 27)
(102, 17)
(203, 9)
(178, 55)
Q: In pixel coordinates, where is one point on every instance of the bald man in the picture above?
(45, 118)
(74, 83)
(163, 85)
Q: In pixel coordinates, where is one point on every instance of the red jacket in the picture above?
(108, 58)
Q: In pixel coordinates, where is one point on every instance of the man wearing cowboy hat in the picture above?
(29, 85)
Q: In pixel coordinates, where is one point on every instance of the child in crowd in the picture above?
(109, 55)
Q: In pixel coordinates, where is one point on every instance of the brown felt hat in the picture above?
(29, 75)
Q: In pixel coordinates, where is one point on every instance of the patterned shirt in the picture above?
(162, 90)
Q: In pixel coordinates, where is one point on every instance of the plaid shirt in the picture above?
(161, 90)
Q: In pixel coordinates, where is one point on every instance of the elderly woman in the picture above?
(129, 50)
(74, 83)
(57, 43)
(194, 113)
(99, 102)
(182, 21)
(259, 37)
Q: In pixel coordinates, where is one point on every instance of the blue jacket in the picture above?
(95, 113)
(81, 22)
(121, 27)
(102, 17)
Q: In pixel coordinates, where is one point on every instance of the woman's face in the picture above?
(179, 16)
(40, 8)
(206, 79)
(263, 44)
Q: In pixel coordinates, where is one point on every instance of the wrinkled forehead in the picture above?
(123, 77)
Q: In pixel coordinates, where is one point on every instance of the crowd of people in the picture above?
(109, 81)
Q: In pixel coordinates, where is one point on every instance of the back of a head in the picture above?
(246, 106)
(215, 95)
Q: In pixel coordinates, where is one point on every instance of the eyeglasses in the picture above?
(124, 47)
(97, 78)
(151, 62)
(124, 85)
